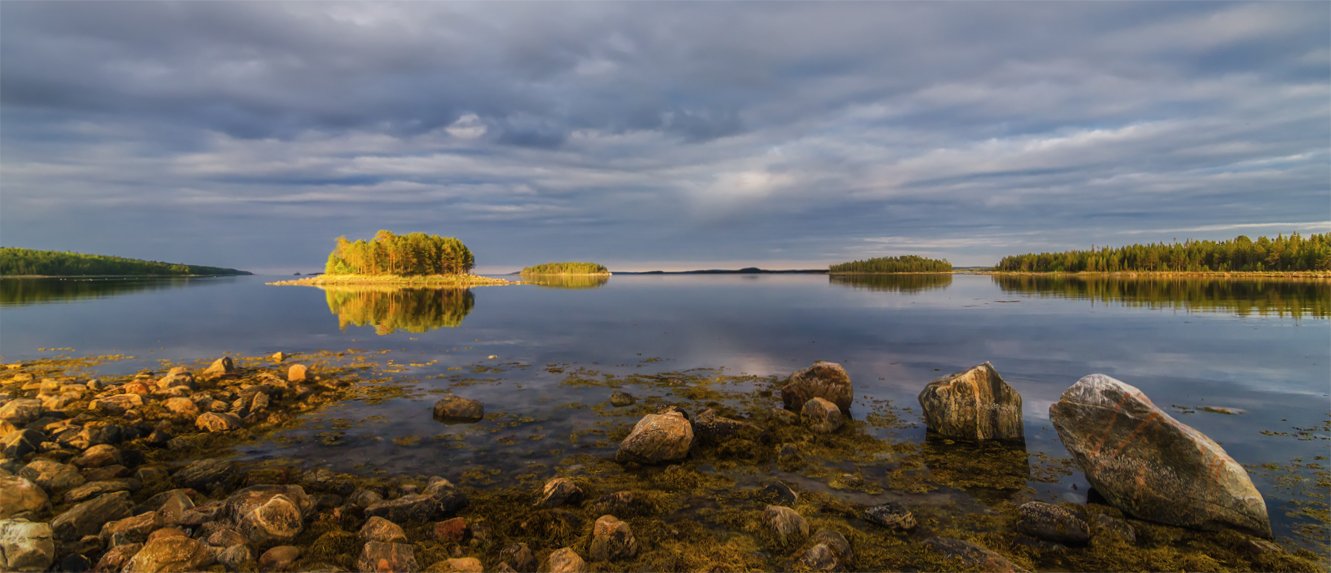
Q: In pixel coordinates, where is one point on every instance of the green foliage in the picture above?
(903, 264)
(412, 254)
(566, 268)
(16, 261)
(1292, 253)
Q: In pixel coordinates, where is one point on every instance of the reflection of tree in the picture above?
(1283, 297)
(567, 281)
(14, 292)
(409, 309)
(907, 283)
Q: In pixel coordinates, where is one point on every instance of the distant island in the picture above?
(1241, 255)
(413, 259)
(892, 265)
(743, 271)
(18, 262)
(566, 268)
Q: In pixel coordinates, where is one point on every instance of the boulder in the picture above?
(98, 456)
(891, 516)
(837, 542)
(620, 399)
(657, 438)
(215, 422)
(457, 565)
(612, 540)
(974, 405)
(115, 558)
(458, 409)
(96, 488)
(54, 477)
(779, 492)
(21, 411)
(178, 376)
(116, 404)
(1052, 523)
(822, 416)
(559, 491)
(969, 556)
(269, 514)
(20, 497)
(181, 407)
(19, 443)
(379, 529)
(170, 553)
(380, 557)
(297, 373)
(86, 518)
(565, 560)
(26, 545)
(711, 427)
(826, 380)
(451, 530)
(221, 367)
(819, 557)
(518, 557)
(129, 530)
(440, 499)
(236, 557)
(280, 558)
(206, 474)
(1150, 465)
(787, 526)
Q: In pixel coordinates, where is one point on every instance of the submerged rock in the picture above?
(26, 545)
(458, 409)
(1052, 523)
(657, 438)
(451, 530)
(1150, 465)
(620, 399)
(826, 380)
(612, 540)
(787, 526)
(822, 416)
(280, 558)
(974, 405)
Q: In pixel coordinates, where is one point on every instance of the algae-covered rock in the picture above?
(559, 491)
(822, 416)
(787, 526)
(458, 409)
(518, 557)
(612, 540)
(964, 555)
(711, 427)
(26, 545)
(974, 405)
(891, 516)
(826, 380)
(440, 499)
(829, 551)
(1150, 465)
(657, 438)
(1052, 523)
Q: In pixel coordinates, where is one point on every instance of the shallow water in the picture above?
(1263, 348)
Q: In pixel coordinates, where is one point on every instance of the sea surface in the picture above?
(1260, 350)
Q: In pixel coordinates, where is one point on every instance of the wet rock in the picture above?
(280, 558)
(174, 507)
(95, 433)
(612, 540)
(1150, 465)
(98, 456)
(821, 416)
(1112, 528)
(279, 356)
(224, 536)
(181, 407)
(710, 427)
(221, 367)
(21, 411)
(787, 526)
(116, 404)
(26, 545)
(177, 376)
(657, 438)
(456, 565)
(20, 497)
(269, 514)
(891, 516)
(170, 554)
(440, 499)
(1052, 523)
(19, 443)
(777, 491)
(458, 409)
(624, 503)
(565, 560)
(383, 557)
(380, 529)
(297, 373)
(819, 557)
(115, 558)
(826, 380)
(518, 557)
(215, 422)
(974, 405)
(451, 530)
(134, 529)
(96, 488)
(205, 474)
(620, 399)
(560, 491)
(86, 518)
(837, 542)
(236, 557)
(969, 556)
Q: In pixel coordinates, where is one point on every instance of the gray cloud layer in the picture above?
(251, 134)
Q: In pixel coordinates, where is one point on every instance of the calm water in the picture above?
(1261, 347)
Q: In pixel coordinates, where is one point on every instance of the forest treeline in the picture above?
(412, 254)
(566, 268)
(1282, 297)
(16, 261)
(1282, 253)
(390, 310)
(902, 264)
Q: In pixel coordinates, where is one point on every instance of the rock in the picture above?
(170, 554)
(457, 565)
(214, 422)
(236, 557)
(821, 416)
(129, 530)
(891, 516)
(26, 545)
(19, 443)
(1052, 523)
(560, 491)
(20, 497)
(974, 405)
(174, 508)
(86, 518)
(278, 356)
(777, 491)
(98, 456)
(710, 427)
(970, 556)
(612, 540)
(205, 474)
(458, 409)
(519, 557)
(837, 542)
(74, 563)
(280, 558)
(1150, 465)
(221, 367)
(269, 514)
(381, 557)
(786, 525)
(439, 500)
(178, 376)
(565, 560)
(1111, 528)
(115, 558)
(451, 530)
(21, 411)
(826, 380)
(96, 488)
(379, 529)
(116, 404)
(297, 373)
(181, 407)
(657, 438)
(620, 399)
(103, 433)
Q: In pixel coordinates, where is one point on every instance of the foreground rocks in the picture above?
(826, 380)
(1052, 523)
(26, 545)
(974, 405)
(1150, 465)
(658, 438)
(458, 409)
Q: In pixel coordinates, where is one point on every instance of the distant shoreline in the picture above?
(458, 281)
(1321, 275)
(240, 274)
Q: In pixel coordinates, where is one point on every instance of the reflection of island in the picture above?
(905, 283)
(1282, 297)
(17, 292)
(389, 309)
(567, 281)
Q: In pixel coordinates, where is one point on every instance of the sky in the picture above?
(662, 135)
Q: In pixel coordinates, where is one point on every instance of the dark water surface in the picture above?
(1263, 348)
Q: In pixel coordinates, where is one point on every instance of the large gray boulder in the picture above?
(657, 439)
(826, 380)
(1150, 465)
(974, 405)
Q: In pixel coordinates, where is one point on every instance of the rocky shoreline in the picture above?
(132, 473)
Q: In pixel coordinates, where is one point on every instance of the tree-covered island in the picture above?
(1282, 254)
(885, 265)
(413, 259)
(19, 262)
(566, 268)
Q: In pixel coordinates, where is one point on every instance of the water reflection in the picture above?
(392, 309)
(19, 292)
(1282, 297)
(567, 281)
(904, 283)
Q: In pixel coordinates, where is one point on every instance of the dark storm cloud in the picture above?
(255, 132)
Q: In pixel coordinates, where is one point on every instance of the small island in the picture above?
(1292, 256)
(33, 263)
(892, 265)
(410, 260)
(566, 268)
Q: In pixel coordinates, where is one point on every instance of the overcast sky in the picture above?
(681, 135)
